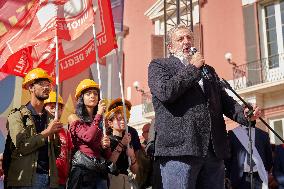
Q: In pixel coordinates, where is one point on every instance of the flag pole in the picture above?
(123, 102)
(99, 73)
(121, 90)
(56, 78)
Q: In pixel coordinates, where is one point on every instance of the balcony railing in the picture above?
(147, 106)
(250, 74)
(261, 71)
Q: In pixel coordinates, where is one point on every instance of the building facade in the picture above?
(249, 32)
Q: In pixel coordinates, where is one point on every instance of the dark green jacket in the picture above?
(27, 142)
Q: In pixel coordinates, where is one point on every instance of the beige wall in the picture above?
(273, 99)
(223, 32)
(137, 45)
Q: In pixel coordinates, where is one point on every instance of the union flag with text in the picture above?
(30, 41)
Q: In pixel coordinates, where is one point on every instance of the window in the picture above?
(277, 125)
(273, 31)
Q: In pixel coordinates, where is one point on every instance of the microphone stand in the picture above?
(249, 115)
(225, 84)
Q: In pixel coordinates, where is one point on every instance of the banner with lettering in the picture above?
(30, 43)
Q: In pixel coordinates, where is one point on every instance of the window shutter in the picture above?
(252, 44)
(251, 32)
(157, 46)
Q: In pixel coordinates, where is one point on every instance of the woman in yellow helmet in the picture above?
(90, 146)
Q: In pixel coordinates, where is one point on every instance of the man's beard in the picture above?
(180, 54)
(41, 98)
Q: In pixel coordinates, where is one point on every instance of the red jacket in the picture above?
(63, 161)
(87, 138)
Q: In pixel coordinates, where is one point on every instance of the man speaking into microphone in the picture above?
(189, 104)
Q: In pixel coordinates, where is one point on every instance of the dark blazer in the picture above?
(235, 164)
(278, 168)
(185, 116)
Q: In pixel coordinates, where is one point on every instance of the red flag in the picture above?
(31, 40)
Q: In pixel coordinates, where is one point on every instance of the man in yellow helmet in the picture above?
(63, 161)
(34, 141)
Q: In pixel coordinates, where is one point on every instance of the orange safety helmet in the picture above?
(117, 105)
(85, 84)
(34, 74)
(118, 102)
(52, 98)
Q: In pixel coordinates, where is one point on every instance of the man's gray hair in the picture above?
(174, 29)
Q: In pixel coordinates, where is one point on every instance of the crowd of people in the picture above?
(41, 152)
(186, 147)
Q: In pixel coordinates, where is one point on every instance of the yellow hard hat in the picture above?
(117, 105)
(118, 102)
(34, 74)
(85, 84)
(52, 98)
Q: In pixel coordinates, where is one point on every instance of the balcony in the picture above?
(147, 106)
(266, 72)
(264, 75)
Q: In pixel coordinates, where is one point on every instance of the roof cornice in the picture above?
(155, 10)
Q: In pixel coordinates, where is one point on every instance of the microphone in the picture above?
(193, 50)
(204, 70)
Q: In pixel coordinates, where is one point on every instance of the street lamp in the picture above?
(136, 85)
(229, 58)
(238, 73)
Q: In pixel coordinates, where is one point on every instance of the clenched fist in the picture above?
(197, 60)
